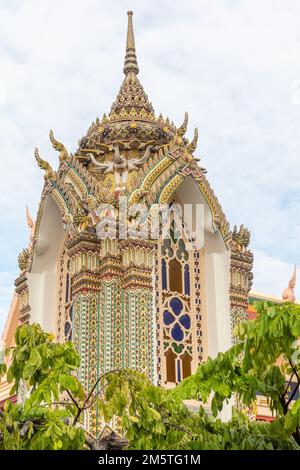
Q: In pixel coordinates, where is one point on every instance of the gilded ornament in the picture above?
(241, 238)
(193, 145)
(44, 165)
(59, 147)
(183, 128)
(23, 259)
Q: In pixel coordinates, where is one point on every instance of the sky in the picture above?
(234, 65)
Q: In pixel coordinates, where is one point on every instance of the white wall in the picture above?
(216, 279)
(216, 275)
(42, 279)
(217, 284)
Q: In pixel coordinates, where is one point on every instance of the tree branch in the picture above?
(72, 398)
(98, 380)
(294, 370)
(179, 428)
(295, 389)
(110, 442)
(77, 416)
(288, 385)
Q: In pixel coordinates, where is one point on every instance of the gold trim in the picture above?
(170, 188)
(77, 180)
(149, 180)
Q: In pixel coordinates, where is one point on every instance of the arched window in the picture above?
(178, 305)
(186, 365)
(175, 276)
(170, 361)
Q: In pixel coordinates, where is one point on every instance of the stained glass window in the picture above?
(187, 289)
(185, 321)
(178, 370)
(178, 306)
(68, 329)
(177, 333)
(168, 318)
(170, 365)
(186, 365)
(164, 274)
(68, 305)
(175, 276)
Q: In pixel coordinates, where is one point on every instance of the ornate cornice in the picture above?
(84, 241)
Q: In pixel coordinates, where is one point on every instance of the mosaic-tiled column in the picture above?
(138, 322)
(22, 291)
(240, 277)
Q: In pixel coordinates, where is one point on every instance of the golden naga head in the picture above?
(59, 147)
(44, 165)
(241, 237)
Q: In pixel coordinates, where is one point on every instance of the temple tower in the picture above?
(94, 273)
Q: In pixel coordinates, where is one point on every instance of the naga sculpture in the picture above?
(183, 128)
(44, 165)
(241, 238)
(193, 145)
(59, 147)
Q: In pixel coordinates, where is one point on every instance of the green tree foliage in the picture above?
(50, 414)
(265, 360)
(42, 371)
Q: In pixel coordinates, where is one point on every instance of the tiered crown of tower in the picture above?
(132, 117)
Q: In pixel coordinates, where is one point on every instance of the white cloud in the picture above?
(232, 64)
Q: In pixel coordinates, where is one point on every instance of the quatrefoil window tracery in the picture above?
(176, 319)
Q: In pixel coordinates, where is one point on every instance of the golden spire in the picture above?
(31, 226)
(288, 294)
(132, 101)
(130, 64)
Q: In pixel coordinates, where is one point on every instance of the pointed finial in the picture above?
(44, 165)
(288, 294)
(183, 128)
(31, 226)
(193, 145)
(29, 220)
(130, 64)
(59, 147)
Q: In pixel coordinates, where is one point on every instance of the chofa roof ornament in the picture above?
(288, 295)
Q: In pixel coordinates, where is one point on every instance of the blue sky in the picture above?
(233, 65)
